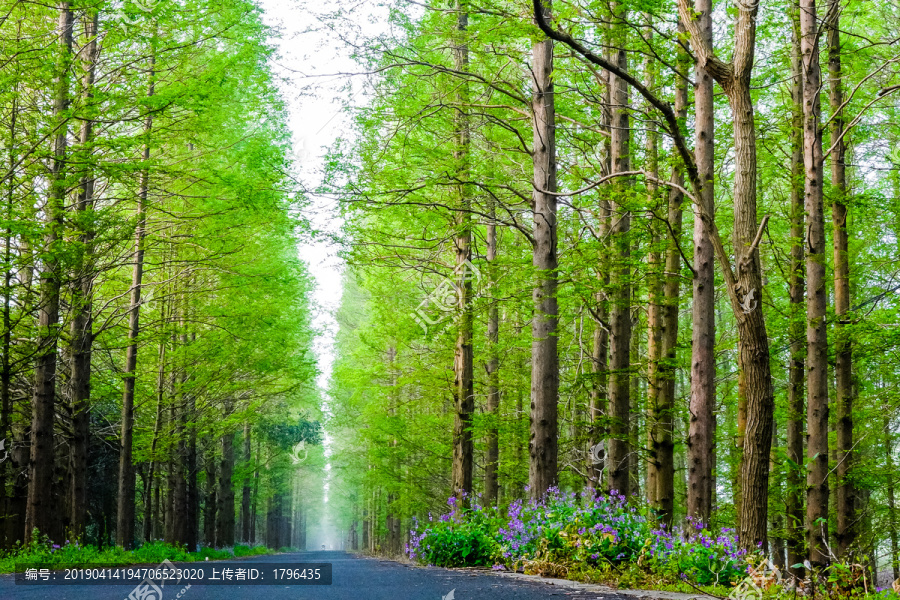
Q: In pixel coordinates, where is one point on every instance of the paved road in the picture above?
(354, 578)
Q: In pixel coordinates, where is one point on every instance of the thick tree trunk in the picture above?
(82, 307)
(618, 466)
(492, 458)
(816, 332)
(701, 441)
(543, 445)
(794, 506)
(843, 360)
(125, 516)
(463, 365)
(39, 512)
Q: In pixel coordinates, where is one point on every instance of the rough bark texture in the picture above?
(125, 514)
(463, 366)
(843, 359)
(794, 498)
(620, 288)
(701, 441)
(38, 513)
(82, 307)
(816, 332)
(543, 445)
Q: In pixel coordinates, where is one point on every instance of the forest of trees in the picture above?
(156, 365)
(646, 246)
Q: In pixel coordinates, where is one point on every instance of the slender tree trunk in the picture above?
(82, 307)
(794, 508)
(225, 520)
(125, 519)
(543, 446)
(816, 332)
(843, 361)
(39, 512)
(464, 390)
(245, 493)
(701, 441)
(492, 458)
(157, 427)
(618, 466)
(209, 515)
(599, 407)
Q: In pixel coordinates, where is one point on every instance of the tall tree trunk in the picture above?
(463, 366)
(492, 458)
(82, 305)
(157, 427)
(843, 360)
(209, 514)
(543, 446)
(125, 517)
(701, 440)
(618, 466)
(225, 520)
(794, 507)
(245, 492)
(39, 512)
(816, 332)
(599, 407)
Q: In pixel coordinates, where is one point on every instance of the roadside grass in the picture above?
(51, 555)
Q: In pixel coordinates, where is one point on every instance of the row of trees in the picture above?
(544, 190)
(156, 338)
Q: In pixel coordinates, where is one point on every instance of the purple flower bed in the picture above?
(591, 532)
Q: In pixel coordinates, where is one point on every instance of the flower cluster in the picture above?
(590, 531)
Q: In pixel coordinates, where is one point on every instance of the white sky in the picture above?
(315, 124)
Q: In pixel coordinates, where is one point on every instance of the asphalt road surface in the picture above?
(353, 578)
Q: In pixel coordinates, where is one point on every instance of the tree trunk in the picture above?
(843, 360)
(701, 441)
(794, 508)
(125, 519)
(39, 512)
(816, 332)
(464, 390)
(618, 464)
(157, 427)
(543, 444)
(492, 458)
(245, 493)
(82, 319)
(225, 520)
(209, 514)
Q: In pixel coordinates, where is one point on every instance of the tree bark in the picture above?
(125, 518)
(463, 365)
(245, 493)
(157, 427)
(618, 467)
(816, 332)
(701, 441)
(794, 506)
(543, 446)
(843, 360)
(39, 512)
(225, 517)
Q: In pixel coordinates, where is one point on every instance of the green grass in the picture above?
(150, 553)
